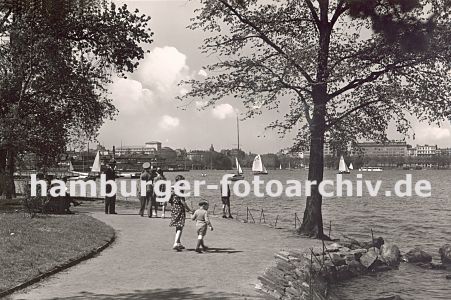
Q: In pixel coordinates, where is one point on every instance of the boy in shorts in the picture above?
(202, 222)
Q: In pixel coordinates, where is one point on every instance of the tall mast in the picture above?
(238, 131)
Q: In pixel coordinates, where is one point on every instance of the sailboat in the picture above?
(257, 167)
(75, 174)
(280, 167)
(342, 167)
(96, 165)
(96, 168)
(351, 167)
(239, 172)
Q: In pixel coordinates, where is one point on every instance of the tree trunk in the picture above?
(10, 188)
(3, 176)
(312, 223)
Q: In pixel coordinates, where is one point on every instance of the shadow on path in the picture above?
(218, 250)
(157, 294)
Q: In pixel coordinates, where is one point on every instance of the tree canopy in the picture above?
(56, 58)
(349, 68)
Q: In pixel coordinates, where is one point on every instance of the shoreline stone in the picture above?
(417, 255)
(445, 254)
(307, 274)
(391, 254)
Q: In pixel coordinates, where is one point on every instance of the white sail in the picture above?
(351, 167)
(257, 165)
(238, 167)
(342, 167)
(71, 167)
(96, 165)
(280, 167)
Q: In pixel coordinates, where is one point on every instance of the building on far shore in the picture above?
(427, 150)
(411, 151)
(389, 149)
(149, 148)
(444, 151)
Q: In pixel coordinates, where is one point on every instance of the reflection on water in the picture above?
(407, 222)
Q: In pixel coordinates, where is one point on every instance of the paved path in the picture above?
(142, 265)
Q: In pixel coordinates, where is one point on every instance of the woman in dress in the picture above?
(179, 207)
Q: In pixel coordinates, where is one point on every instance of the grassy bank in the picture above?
(30, 247)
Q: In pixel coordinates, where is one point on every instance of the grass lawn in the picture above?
(29, 247)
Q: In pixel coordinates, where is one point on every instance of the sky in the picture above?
(148, 110)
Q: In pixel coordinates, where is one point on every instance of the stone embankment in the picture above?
(307, 274)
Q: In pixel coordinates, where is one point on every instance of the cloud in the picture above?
(162, 69)
(129, 96)
(202, 73)
(223, 111)
(433, 133)
(167, 122)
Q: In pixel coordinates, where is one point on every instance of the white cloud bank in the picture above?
(433, 133)
(162, 69)
(167, 122)
(223, 111)
(129, 95)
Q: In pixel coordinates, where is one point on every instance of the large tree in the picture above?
(348, 67)
(57, 57)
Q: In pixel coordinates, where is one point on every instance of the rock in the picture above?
(391, 254)
(417, 255)
(445, 254)
(448, 277)
(368, 259)
(338, 260)
(377, 243)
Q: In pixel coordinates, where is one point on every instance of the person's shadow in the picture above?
(218, 250)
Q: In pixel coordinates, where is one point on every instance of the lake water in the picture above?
(408, 222)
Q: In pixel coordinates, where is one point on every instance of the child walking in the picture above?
(202, 222)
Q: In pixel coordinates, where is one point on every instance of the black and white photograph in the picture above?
(225, 149)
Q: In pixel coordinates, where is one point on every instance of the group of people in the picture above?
(179, 209)
(178, 216)
(151, 175)
(179, 206)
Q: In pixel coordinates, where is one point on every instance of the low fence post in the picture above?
(295, 220)
(247, 214)
(330, 228)
(250, 213)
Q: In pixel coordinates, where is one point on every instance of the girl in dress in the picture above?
(179, 207)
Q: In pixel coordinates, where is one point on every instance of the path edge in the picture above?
(60, 268)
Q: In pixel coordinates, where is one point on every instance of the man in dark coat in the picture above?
(146, 177)
(110, 174)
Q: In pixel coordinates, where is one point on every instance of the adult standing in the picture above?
(162, 189)
(225, 197)
(178, 215)
(110, 201)
(145, 178)
(153, 202)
